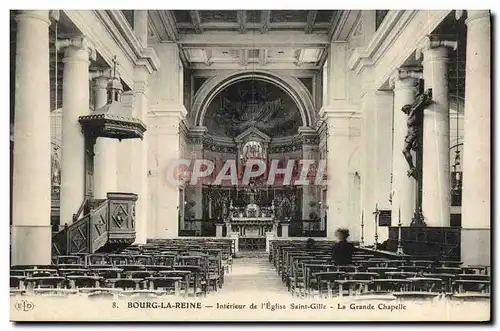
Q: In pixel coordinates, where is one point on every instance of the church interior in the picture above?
(127, 93)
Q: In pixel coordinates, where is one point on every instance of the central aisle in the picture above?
(252, 274)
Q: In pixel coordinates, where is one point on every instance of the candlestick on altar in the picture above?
(376, 214)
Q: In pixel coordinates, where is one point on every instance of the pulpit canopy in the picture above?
(111, 121)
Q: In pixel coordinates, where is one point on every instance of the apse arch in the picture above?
(292, 86)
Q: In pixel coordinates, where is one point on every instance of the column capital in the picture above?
(405, 77)
(431, 42)
(140, 87)
(473, 15)
(42, 15)
(79, 43)
(196, 134)
(55, 15)
(102, 75)
(100, 83)
(141, 76)
(308, 135)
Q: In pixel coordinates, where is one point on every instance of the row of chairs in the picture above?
(309, 272)
(178, 267)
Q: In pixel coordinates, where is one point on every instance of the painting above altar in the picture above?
(253, 103)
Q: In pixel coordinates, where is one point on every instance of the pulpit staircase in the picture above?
(107, 225)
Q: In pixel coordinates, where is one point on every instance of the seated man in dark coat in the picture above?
(342, 250)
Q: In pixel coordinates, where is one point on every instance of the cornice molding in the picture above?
(140, 56)
(397, 23)
(384, 37)
(344, 24)
(344, 113)
(112, 36)
(161, 111)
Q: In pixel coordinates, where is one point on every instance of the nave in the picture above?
(199, 267)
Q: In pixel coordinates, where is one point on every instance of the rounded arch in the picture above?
(292, 86)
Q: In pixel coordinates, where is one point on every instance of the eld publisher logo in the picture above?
(25, 305)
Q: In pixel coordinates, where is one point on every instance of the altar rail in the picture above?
(428, 243)
(198, 228)
(306, 228)
(207, 228)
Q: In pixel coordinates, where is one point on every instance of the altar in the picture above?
(251, 221)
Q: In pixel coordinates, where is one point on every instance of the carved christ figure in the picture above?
(415, 113)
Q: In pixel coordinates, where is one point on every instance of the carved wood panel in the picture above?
(99, 226)
(79, 240)
(121, 217)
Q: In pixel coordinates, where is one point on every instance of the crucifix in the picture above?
(413, 142)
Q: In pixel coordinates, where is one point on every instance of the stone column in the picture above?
(105, 149)
(168, 204)
(354, 203)
(339, 116)
(309, 192)
(196, 135)
(139, 152)
(166, 114)
(125, 151)
(368, 158)
(31, 231)
(436, 134)
(476, 197)
(75, 104)
(403, 187)
(101, 80)
(383, 155)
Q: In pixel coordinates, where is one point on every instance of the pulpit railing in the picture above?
(108, 225)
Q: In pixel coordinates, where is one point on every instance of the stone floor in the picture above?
(252, 274)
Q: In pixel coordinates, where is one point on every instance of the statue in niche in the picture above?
(284, 209)
(415, 112)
